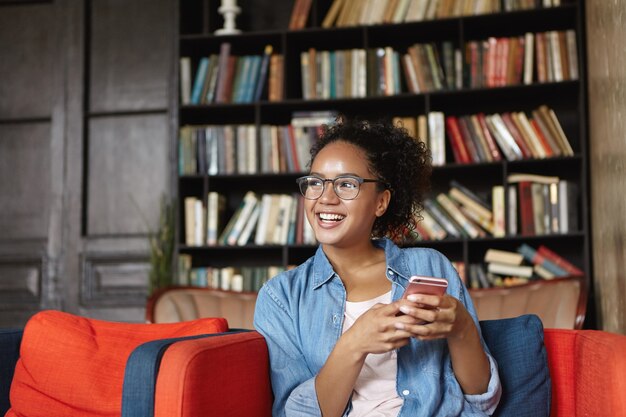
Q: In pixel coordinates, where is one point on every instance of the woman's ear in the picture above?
(383, 203)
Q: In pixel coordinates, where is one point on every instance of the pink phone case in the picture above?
(425, 285)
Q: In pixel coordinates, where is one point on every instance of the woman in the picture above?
(341, 339)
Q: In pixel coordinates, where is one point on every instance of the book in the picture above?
(535, 258)
(503, 257)
(250, 226)
(185, 80)
(249, 202)
(263, 71)
(559, 260)
(216, 205)
(198, 83)
(453, 211)
(498, 210)
(543, 179)
(526, 214)
(523, 271)
(222, 72)
(567, 206)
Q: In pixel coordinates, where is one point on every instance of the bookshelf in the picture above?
(567, 98)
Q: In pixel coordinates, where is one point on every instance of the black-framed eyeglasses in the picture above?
(346, 187)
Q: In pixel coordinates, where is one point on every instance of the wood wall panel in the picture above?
(27, 42)
(606, 35)
(20, 281)
(130, 54)
(24, 180)
(114, 279)
(127, 173)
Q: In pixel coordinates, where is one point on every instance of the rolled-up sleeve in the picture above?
(293, 383)
(488, 401)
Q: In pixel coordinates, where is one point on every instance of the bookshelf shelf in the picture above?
(566, 98)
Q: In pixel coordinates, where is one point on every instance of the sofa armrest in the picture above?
(223, 376)
(588, 371)
(10, 341)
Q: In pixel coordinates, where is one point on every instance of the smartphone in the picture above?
(425, 285)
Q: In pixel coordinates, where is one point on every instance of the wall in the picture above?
(606, 53)
(86, 151)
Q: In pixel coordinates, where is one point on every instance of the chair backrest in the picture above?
(559, 303)
(188, 303)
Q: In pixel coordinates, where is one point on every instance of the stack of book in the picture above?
(508, 268)
(268, 219)
(511, 136)
(372, 12)
(541, 205)
(459, 213)
(235, 149)
(240, 279)
(226, 78)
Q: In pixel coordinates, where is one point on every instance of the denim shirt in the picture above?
(300, 313)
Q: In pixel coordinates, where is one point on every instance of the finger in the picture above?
(426, 299)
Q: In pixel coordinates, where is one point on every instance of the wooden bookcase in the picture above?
(199, 19)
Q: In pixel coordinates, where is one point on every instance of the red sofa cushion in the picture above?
(587, 371)
(213, 376)
(74, 366)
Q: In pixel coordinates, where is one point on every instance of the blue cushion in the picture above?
(10, 340)
(517, 345)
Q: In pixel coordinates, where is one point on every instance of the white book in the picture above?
(532, 135)
(250, 199)
(529, 56)
(190, 220)
(198, 231)
(436, 137)
(362, 72)
(250, 226)
(503, 137)
(416, 11)
(497, 204)
(251, 142)
(512, 210)
(266, 201)
(437, 232)
(185, 80)
(282, 229)
(215, 202)
(401, 11)
(510, 270)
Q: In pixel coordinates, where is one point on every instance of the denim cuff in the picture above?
(488, 401)
(303, 401)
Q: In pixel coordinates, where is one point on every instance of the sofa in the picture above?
(199, 368)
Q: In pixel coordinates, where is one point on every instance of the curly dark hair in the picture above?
(394, 157)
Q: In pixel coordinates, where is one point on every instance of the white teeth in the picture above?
(331, 216)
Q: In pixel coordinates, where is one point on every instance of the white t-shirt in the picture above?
(374, 392)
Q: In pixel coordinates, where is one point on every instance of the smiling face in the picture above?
(343, 223)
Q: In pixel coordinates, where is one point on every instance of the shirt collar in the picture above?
(397, 268)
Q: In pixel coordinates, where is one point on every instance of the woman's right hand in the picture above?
(375, 330)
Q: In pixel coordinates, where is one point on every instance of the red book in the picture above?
(544, 141)
(459, 150)
(558, 260)
(526, 216)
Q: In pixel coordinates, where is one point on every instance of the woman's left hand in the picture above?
(437, 317)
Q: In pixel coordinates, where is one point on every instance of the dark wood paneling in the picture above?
(27, 42)
(127, 173)
(130, 54)
(20, 281)
(24, 180)
(114, 279)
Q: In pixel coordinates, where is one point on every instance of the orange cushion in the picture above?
(74, 366)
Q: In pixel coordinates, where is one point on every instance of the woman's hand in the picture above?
(435, 317)
(376, 330)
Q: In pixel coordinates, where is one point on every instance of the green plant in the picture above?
(162, 247)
